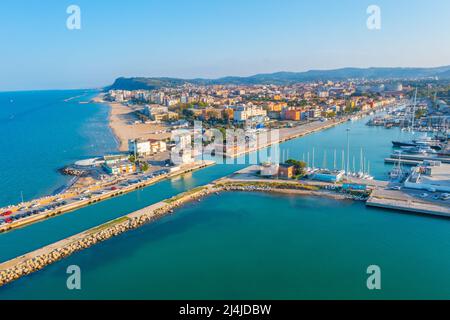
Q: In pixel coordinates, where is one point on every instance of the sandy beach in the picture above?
(123, 122)
(125, 125)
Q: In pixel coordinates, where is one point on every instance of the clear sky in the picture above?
(210, 38)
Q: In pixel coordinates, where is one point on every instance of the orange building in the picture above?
(293, 114)
(228, 113)
(286, 171)
(276, 106)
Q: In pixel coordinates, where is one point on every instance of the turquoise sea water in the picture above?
(259, 246)
(247, 245)
(41, 133)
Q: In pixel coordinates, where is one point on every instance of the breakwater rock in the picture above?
(37, 260)
(70, 171)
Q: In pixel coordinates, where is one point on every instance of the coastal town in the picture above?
(220, 159)
(144, 123)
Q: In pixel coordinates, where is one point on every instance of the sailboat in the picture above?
(360, 174)
(367, 176)
(397, 173)
(410, 127)
(364, 171)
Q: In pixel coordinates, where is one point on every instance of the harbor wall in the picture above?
(82, 203)
(36, 260)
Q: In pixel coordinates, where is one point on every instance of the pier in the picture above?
(420, 158)
(402, 161)
(376, 195)
(77, 204)
(407, 201)
(38, 259)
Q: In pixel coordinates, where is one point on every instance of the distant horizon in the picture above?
(211, 39)
(221, 77)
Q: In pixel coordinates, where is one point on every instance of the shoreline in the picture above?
(113, 132)
(36, 260)
(33, 261)
(122, 123)
(113, 193)
(126, 125)
(292, 133)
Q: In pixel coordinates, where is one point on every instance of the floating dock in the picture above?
(420, 158)
(403, 161)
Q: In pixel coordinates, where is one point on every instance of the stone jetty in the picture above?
(36, 260)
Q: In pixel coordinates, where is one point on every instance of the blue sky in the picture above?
(210, 38)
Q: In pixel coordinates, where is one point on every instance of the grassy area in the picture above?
(184, 194)
(109, 224)
(276, 185)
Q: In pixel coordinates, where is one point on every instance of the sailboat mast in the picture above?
(313, 158)
(414, 110)
(354, 169)
(361, 161)
(334, 161)
(364, 165)
(348, 150)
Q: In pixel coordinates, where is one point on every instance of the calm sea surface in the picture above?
(40, 133)
(236, 245)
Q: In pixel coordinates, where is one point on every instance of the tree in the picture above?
(132, 158)
(144, 166)
(331, 114)
(303, 103)
(299, 166)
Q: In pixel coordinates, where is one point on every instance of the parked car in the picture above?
(6, 213)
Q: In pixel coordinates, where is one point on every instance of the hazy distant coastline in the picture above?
(285, 78)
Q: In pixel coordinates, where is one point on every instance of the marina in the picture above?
(72, 198)
(289, 148)
(419, 158)
(249, 180)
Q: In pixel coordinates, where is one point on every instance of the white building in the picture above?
(184, 99)
(155, 112)
(157, 97)
(430, 176)
(171, 102)
(244, 113)
(269, 169)
(157, 146)
(139, 147)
